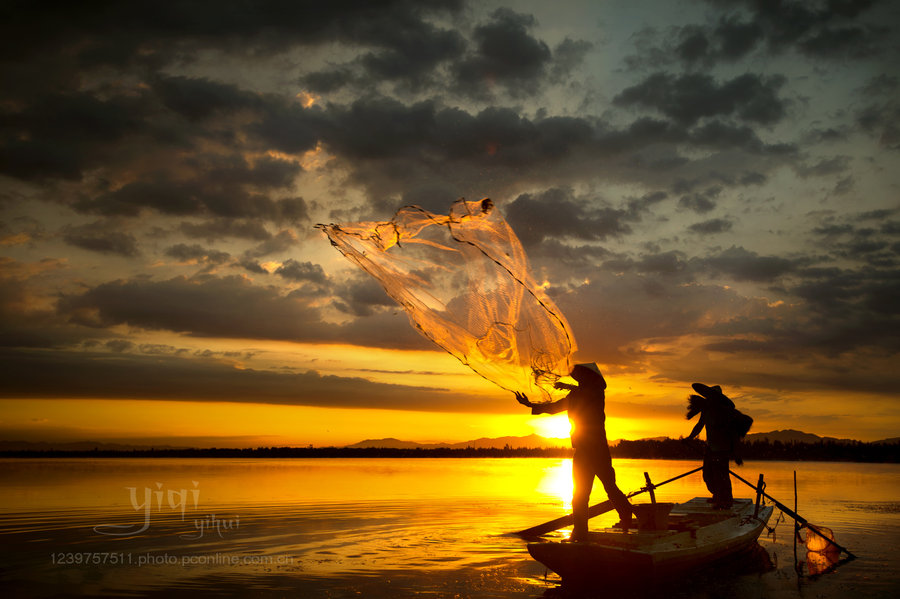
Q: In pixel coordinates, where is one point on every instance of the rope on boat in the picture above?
(771, 529)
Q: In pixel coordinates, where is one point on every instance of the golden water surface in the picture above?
(380, 527)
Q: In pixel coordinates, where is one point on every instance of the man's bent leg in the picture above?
(583, 480)
(607, 476)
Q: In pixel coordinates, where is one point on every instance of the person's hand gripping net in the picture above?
(523, 399)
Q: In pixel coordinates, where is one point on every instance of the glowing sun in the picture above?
(556, 426)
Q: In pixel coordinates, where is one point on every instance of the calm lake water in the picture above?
(386, 528)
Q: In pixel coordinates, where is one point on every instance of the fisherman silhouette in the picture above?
(725, 426)
(585, 404)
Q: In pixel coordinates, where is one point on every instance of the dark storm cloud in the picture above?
(701, 202)
(219, 228)
(735, 38)
(380, 127)
(136, 131)
(120, 375)
(558, 213)
(301, 271)
(391, 147)
(730, 39)
(383, 129)
(185, 252)
(430, 195)
(213, 307)
(199, 99)
(221, 186)
(106, 132)
(860, 295)
(119, 345)
(831, 312)
(815, 29)
(276, 244)
(252, 265)
(743, 265)
(383, 328)
(24, 321)
(753, 178)
(20, 230)
(156, 349)
(665, 263)
(881, 115)
(436, 143)
(883, 122)
(577, 258)
(568, 55)
(60, 135)
(693, 44)
(840, 312)
(75, 128)
(503, 54)
(286, 127)
(233, 307)
(150, 33)
(671, 266)
(690, 97)
(102, 237)
(406, 53)
(711, 227)
(875, 246)
(829, 30)
(363, 297)
(844, 186)
(722, 136)
(626, 304)
(506, 54)
(824, 167)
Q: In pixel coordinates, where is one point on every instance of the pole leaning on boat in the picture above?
(797, 517)
(594, 510)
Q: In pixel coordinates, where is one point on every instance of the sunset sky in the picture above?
(708, 189)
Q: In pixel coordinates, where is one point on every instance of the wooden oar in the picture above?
(797, 517)
(594, 510)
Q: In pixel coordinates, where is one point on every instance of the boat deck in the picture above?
(697, 533)
(686, 517)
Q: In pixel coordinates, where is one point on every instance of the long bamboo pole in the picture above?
(797, 517)
(594, 510)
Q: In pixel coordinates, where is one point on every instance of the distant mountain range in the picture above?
(792, 436)
(537, 441)
(529, 441)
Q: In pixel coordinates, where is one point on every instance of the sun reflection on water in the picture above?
(556, 481)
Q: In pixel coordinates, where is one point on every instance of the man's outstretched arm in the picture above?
(550, 407)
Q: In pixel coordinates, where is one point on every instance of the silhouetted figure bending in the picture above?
(725, 426)
(586, 404)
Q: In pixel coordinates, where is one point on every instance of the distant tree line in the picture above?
(654, 449)
(762, 450)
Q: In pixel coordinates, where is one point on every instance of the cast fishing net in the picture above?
(464, 282)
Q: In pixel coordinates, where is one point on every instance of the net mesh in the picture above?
(464, 282)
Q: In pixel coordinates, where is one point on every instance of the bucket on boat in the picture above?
(652, 516)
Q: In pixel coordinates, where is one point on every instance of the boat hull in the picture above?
(697, 535)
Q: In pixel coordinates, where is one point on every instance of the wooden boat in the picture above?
(693, 535)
